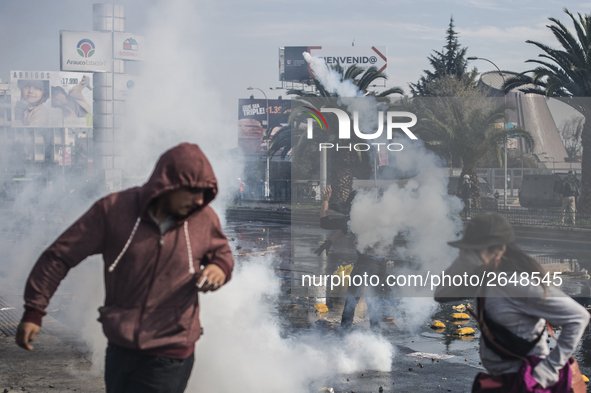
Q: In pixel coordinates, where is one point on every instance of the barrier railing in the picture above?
(548, 216)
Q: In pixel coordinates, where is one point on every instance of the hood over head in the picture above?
(184, 165)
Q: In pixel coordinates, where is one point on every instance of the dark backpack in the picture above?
(466, 190)
(569, 188)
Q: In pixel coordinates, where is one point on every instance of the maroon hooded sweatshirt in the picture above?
(151, 300)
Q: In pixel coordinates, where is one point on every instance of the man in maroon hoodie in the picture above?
(154, 240)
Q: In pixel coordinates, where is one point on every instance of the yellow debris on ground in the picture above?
(437, 325)
(389, 319)
(460, 308)
(460, 315)
(464, 331)
(585, 378)
(321, 307)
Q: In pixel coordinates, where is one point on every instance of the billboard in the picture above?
(252, 122)
(294, 67)
(51, 99)
(128, 46)
(89, 51)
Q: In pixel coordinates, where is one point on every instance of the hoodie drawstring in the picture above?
(189, 252)
(114, 264)
(134, 230)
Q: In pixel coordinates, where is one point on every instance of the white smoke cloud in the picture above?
(420, 208)
(179, 102)
(243, 335)
(348, 93)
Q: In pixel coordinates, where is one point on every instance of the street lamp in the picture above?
(505, 141)
(265, 141)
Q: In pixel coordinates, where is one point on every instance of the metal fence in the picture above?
(544, 217)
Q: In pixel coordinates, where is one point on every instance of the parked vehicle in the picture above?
(541, 191)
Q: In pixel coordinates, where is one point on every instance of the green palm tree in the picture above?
(565, 74)
(293, 136)
(467, 134)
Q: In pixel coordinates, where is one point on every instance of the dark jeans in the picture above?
(349, 312)
(127, 371)
(371, 266)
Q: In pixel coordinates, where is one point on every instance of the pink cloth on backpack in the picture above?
(522, 381)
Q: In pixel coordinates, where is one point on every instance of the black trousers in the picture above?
(372, 310)
(126, 371)
(371, 266)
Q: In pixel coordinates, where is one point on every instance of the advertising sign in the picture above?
(252, 122)
(88, 51)
(295, 67)
(124, 85)
(51, 99)
(128, 46)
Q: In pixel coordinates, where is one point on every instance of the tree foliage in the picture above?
(449, 62)
(570, 132)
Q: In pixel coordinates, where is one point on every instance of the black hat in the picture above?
(484, 231)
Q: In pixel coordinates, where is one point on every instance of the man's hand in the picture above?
(26, 333)
(325, 246)
(211, 278)
(326, 193)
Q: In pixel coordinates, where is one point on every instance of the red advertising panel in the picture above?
(252, 122)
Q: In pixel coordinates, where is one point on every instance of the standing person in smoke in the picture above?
(162, 245)
(515, 312)
(467, 189)
(570, 193)
(366, 263)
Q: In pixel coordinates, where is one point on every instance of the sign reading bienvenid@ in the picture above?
(88, 51)
(128, 46)
(51, 99)
(296, 67)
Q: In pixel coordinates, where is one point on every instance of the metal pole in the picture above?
(505, 192)
(267, 188)
(505, 138)
(323, 169)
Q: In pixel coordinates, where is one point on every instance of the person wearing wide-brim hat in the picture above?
(521, 303)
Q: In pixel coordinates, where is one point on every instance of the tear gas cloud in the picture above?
(347, 92)
(424, 213)
(419, 207)
(242, 334)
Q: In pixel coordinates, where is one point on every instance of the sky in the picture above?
(238, 41)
